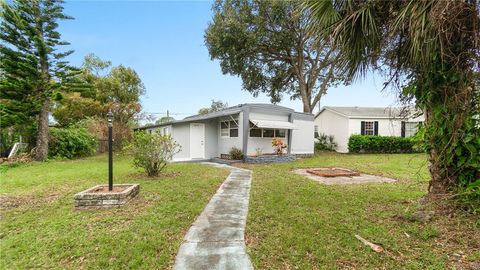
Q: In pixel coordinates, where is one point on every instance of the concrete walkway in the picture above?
(216, 239)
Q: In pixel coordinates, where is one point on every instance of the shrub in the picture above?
(278, 146)
(235, 153)
(152, 151)
(381, 144)
(71, 142)
(325, 142)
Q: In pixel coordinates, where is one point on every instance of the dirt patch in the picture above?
(20, 202)
(332, 172)
(361, 178)
(104, 189)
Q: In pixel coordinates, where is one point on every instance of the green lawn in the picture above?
(293, 222)
(40, 229)
(297, 223)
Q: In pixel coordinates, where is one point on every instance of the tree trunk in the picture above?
(306, 107)
(41, 151)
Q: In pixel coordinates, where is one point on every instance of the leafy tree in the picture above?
(33, 68)
(117, 89)
(431, 49)
(165, 119)
(214, 107)
(268, 44)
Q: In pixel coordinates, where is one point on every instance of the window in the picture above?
(315, 131)
(411, 128)
(369, 128)
(280, 133)
(268, 133)
(229, 129)
(165, 131)
(256, 132)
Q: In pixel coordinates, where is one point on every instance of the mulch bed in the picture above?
(332, 172)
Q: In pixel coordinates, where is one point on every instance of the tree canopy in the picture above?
(269, 46)
(430, 50)
(216, 105)
(34, 69)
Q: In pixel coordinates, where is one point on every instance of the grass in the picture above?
(293, 222)
(297, 223)
(40, 229)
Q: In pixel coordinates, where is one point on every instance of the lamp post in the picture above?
(110, 157)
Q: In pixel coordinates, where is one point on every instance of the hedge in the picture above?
(381, 144)
(71, 143)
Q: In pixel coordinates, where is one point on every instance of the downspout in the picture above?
(245, 130)
(289, 134)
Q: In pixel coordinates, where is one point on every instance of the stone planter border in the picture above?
(89, 199)
(270, 158)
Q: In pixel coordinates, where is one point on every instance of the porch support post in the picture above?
(289, 135)
(245, 130)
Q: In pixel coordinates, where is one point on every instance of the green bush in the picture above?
(152, 151)
(381, 144)
(71, 143)
(235, 153)
(325, 142)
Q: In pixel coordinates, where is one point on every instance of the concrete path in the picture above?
(216, 239)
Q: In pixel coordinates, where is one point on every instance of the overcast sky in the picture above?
(163, 41)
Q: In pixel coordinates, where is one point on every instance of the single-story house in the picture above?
(249, 127)
(342, 122)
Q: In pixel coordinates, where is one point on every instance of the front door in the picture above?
(197, 140)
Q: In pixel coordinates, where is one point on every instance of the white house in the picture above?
(342, 122)
(249, 127)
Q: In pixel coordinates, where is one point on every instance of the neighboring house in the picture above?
(249, 127)
(342, 122)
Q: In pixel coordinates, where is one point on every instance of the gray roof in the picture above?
(229, 111)
(370, 112)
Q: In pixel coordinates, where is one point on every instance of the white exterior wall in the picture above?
(181, 134)
(386, 127)
(212, 132)
(331, 123)
(265, 144)
(342, 127)
(302, 137)
(226, 143)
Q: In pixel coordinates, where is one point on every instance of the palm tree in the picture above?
(430, 49)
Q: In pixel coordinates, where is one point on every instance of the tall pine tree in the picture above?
(32, 70)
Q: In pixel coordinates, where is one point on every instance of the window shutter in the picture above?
(403, 129)
(375, 131)
(362, 128)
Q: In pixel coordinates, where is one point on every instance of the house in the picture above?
(342, 122)
(249, 127)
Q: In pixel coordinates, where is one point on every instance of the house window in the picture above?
(315, 131)
(411, 128)
(228, 129)
(369, 128)
(256, 132)
(165, 131)
(280, 133)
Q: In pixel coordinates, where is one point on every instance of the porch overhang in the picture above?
(273, 124)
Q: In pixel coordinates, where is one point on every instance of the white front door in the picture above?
(197, 140)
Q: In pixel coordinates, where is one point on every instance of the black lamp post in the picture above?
(110, 157)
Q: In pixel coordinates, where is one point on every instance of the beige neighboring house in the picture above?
(342, 122)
